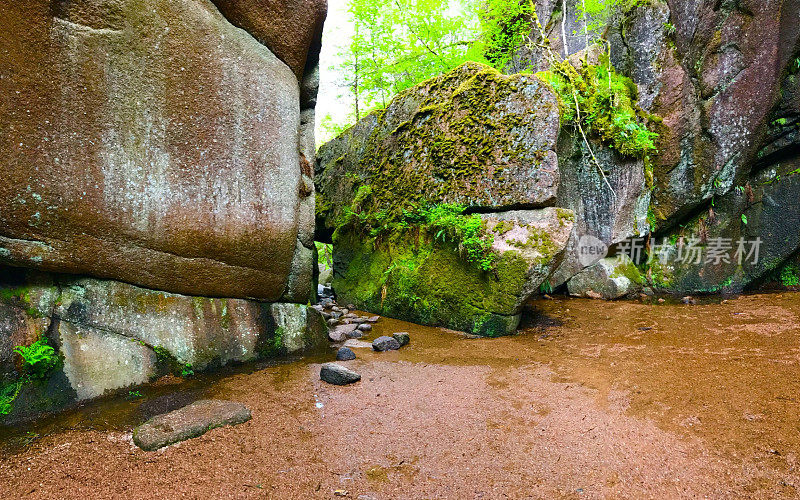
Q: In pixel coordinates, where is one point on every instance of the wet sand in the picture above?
(591, 400)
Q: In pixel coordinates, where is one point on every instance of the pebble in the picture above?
(373, 319)
(365, 327)
(355, 334)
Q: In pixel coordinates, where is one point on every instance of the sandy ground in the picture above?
(590, 400)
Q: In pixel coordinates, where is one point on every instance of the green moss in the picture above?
(457, 137)
(790, 275)
(629, 271)
(606, 104)
(274, 347)
(565, 216)
(419, 278)
(503, 227)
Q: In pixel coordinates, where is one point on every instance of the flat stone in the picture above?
(355, 334)
(365, 327)
(373, 319)
(357, 344)
(345, 354)
(339, 334)
(337, 374)
(385, 344)
(402, 337)
(189, 422)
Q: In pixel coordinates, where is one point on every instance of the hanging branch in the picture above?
(554, 63)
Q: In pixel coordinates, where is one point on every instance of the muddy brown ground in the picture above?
(591, 400)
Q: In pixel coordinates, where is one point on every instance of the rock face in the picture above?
(189, 422)
(721, 80)
(112, 336)
(178, 133)
(472, 137)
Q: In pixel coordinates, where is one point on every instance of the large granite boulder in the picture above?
(471, 136)
(418, 278)
(111, 336)
(291, 29)
(178, 135)
(610, 215)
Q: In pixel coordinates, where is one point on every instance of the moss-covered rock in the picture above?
(610, 278)
(472, 137)
(416, 277)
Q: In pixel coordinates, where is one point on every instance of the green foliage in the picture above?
(790, 275)
(8, 394)
(744, 219)
(134, 395)
(446, 222)
(604, 103)
(38, 359)
(505, 26)
(599, 13)
(274, 347)
(399, 43)
(325, 252)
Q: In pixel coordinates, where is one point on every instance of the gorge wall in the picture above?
(157, 192)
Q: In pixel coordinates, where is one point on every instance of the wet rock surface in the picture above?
(335, 374)
(345, 354)
(385, 343)
(189, 422)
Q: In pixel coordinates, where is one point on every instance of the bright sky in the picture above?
(332, 99)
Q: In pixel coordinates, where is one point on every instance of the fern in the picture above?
(38, 358)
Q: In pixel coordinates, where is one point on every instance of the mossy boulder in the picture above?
(472, 136)
(416, 277)
(610, 278)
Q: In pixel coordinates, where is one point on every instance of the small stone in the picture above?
(345, 311)
(355, 334)
(339, 334)
(189, 422)
(351, 306)
(333, 322)
(345, 354)
(688, 300)
(365, 327)
(336, 315)
(385, 344)
(338, 374)
(325, 315)
(336, 308)
(403, 338)
(373, 319)
(358, 321)
(351, 316)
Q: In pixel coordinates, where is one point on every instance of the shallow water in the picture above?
(591, 399)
